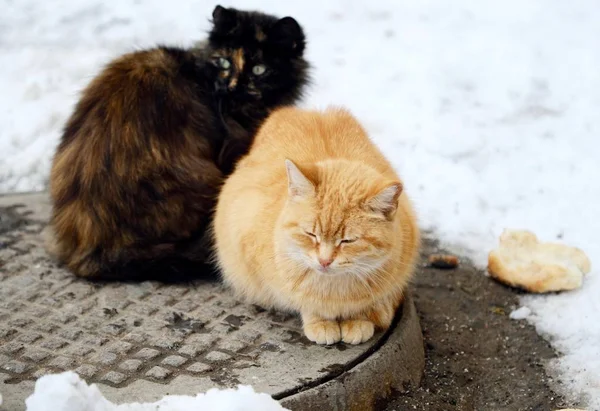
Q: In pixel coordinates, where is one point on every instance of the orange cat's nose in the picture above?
(325, 262)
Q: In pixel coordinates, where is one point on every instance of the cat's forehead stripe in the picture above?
(260, 35)
(238, 59)
(330, 227)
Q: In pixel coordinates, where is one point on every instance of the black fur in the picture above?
(140, 164)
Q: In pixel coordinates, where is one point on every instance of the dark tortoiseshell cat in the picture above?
(142, 158)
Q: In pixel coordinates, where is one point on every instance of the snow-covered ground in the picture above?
(68, 392)
(490, 110)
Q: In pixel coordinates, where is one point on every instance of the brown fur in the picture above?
(107, 193)
(142, 158)
(274, 231)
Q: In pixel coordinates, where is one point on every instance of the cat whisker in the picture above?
(380, 278)
(363, 281)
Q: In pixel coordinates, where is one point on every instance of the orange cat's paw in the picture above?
(323, 332)
(357, 331)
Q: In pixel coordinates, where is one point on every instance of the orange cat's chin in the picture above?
(325, 270)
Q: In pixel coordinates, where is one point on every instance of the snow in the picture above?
(68, 392)
(520, 313)
(488, 109)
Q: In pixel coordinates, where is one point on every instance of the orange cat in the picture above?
(314, 220)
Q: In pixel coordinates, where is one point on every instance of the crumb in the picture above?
(445, 261)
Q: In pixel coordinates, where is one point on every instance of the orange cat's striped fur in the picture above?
(314, 220)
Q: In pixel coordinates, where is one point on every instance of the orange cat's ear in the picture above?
(386, 201)
(298, 185)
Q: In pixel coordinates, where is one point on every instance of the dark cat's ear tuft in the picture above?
(224, 19)
(288, 34)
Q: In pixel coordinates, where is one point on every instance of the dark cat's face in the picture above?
(257, 57)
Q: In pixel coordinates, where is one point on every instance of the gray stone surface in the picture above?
(140, 341)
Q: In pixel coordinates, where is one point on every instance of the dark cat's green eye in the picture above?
(259, 69)
(224, 63)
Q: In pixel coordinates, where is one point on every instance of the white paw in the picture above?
(357, 331)
(323, 332)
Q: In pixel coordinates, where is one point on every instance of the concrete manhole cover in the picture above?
(140, 341)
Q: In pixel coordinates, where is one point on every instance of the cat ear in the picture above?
(298, 185)
(224, 19)
(287, 34)
(386, 201)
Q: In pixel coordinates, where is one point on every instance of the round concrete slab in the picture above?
(140, 341)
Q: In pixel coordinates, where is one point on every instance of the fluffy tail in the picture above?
(173, 263)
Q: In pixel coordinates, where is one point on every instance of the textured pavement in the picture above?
(140, 341)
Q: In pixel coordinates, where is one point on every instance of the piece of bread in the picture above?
(522, 261)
